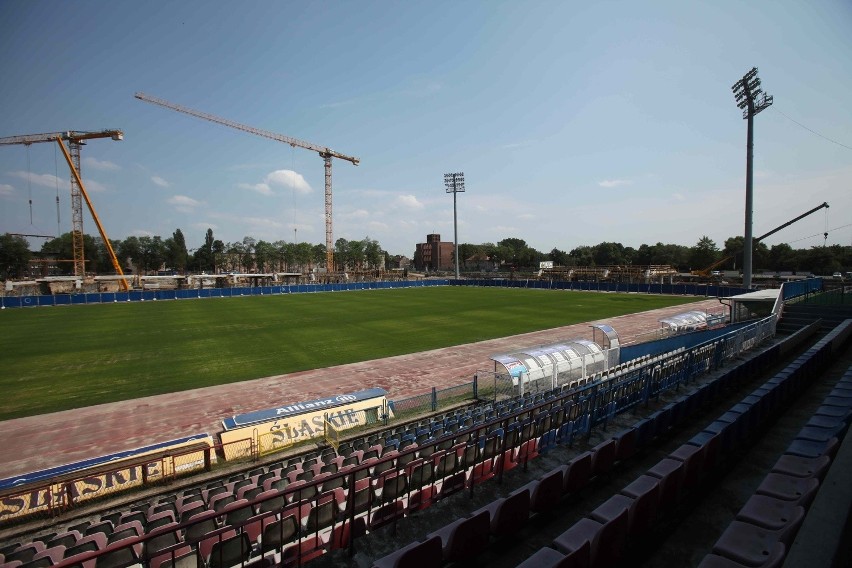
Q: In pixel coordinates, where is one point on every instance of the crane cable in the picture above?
(818, 234)
(293, 190)
(29, 184)
(56, 180)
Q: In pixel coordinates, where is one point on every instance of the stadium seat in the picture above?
(645, 491)
(774, 515)
(749, 544)
(670, 474)
(797, 466)
(197, 532)
(278, 533)
(465, 538)
(603, 457)
(230, 552)
(576, 473)
(799, 490)
(422, 554)
(508, 514)
(549, 558)
(625, 444)
(546, 492)
(774, 559)
(606, 541)
(121, 557)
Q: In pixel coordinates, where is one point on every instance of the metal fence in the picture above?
(434, 401)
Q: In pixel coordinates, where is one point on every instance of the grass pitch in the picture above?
(68, 357)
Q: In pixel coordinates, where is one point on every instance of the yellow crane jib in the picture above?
(115, 264)
(75, 139)
(325, 153)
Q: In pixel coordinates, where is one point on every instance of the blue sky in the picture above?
(574, 122)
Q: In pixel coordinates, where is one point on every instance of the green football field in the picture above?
(60, 358)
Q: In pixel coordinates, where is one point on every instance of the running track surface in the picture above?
(39, 442)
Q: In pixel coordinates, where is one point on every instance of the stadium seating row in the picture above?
(764, 525)
(599, 539)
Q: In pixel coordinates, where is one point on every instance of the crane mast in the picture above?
(324, 152)
(75, 140)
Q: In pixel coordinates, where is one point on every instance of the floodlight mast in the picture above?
(751, 100)
(455, 184)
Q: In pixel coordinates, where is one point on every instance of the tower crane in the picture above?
(325, 153)
(76, 139)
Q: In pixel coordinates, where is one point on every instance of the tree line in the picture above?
(148, 254)
(515, 253)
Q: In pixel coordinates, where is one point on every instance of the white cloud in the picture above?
(6, 189)
(289, 179)
(377, 226)
(261, 188)
(678, 196)
(94, 187)
(356, 214)
(102, 165)
(183, 203)
(160, 181)
(279, 178)
(262, 223)
(409, 202)
(204, 226)
(614, 182)
(184, 200)
(45, 180)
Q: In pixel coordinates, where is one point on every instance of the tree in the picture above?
(676, 256)
(129, 252)
(355, 255)
(703, 254)
(782, 258)
(176, 253)
(152, 251)
(14, 256)
(559, 257)
(608, 254)
(582, 256)
(341, 253)
(62, 248)
(203, 259)
(264, 256)
(318, 256)
(104, 262)
(373, 253)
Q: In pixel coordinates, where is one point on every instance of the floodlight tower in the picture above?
(455, 184)
(751, 100)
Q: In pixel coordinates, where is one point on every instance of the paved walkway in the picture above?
(49, 440)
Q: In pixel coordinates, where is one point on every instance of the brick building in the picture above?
(434, 255)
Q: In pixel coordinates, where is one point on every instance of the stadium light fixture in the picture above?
(751, 100)
(454, 184)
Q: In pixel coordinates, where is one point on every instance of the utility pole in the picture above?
(751, 100)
